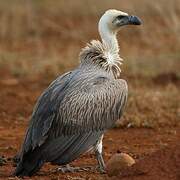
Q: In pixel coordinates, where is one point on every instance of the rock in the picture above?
(118, 162)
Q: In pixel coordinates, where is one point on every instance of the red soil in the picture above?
(162, 164)
(17, 100)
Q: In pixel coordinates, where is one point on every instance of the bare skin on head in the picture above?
(72, 114)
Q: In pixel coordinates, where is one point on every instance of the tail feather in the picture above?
(61, 151)
(29, 164)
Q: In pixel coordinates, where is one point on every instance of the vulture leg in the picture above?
(99, 157)
(102, 166)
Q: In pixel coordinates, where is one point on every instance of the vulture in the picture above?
(73, 113)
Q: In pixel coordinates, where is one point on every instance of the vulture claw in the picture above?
(68, 168)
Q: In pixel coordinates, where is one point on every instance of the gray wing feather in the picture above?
(65, 149)
(95, 107)
(44, 114)
(70, 117)
(74, 104)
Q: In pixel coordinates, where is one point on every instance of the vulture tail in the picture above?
(29, 164)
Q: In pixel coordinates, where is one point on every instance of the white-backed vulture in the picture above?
(73, 113)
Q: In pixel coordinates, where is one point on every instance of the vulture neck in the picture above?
(103, 54)
(109, 38)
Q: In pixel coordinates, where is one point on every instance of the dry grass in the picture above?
(46, 36)
(152, 107)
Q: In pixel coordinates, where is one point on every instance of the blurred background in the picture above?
(45, 36)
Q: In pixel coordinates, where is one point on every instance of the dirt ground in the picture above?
(162, 164)
(17, 99)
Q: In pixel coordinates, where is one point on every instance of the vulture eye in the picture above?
(120, 16)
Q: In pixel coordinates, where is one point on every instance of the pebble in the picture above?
(118, 162)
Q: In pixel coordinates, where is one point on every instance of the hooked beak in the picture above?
(127, 20)
(134, 20)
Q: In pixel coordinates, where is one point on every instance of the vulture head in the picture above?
(112, 20)
(106, 53)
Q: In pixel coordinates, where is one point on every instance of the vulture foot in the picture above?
(68, 168)
(101, 165)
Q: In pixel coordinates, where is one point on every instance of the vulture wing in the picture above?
(69, 118)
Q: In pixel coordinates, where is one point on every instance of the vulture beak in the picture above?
(126, 20)
(134, 20)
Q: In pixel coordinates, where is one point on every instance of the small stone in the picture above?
(118, 162)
